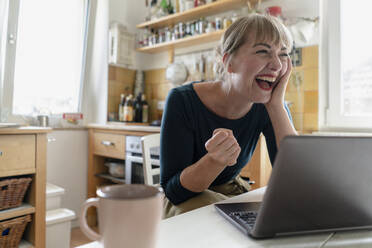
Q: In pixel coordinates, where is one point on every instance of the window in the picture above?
(45, 58)
(350, 64)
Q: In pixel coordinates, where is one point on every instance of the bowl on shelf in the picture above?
(116, 169)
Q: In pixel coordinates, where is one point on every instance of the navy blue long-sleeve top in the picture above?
(187, 125)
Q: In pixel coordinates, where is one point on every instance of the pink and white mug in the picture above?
(128, 216)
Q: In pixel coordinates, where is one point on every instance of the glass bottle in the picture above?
(138, 108)
(145, 109)
(121, 107)
(128, 109)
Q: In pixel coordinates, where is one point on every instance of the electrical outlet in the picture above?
(160, 105)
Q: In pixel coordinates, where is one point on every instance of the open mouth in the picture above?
(265, 83)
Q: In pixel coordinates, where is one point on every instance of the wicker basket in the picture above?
(12, 191)
(12, 230)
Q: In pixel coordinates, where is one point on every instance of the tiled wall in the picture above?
(120, 81)
(302, 92)
(156, 89)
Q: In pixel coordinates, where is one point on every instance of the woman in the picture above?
(210, 129)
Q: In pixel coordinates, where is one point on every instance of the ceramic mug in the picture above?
(128, 216)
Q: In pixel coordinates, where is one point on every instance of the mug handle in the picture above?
(83, 221)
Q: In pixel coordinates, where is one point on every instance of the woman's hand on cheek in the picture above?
(277, 95)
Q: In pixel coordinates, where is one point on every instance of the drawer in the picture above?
(109, 145)
(17, 154)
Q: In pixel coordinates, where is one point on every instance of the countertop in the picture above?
(204, 227)
(124, 126)
(24, 130)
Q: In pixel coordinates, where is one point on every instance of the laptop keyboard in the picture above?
(246, 218)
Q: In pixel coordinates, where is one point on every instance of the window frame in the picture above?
(332, 44)
(7, 91)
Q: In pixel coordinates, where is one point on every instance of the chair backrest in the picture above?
(148, 142)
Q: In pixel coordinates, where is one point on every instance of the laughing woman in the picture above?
(210, 129)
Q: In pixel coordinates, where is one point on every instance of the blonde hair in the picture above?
(256, 27)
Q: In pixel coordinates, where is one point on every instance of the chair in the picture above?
(148, 142)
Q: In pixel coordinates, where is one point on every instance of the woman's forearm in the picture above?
(200, 175)
(282, 125)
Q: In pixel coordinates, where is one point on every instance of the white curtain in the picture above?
(94, 94)
(3, 7)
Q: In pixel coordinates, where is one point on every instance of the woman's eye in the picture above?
(284, 55)
(262, 51)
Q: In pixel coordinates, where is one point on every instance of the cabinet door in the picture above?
(17, 154)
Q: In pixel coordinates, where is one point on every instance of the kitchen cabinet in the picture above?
(192, 14)
(108, 141)
(23, 152)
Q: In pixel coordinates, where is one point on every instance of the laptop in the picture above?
(318, 184)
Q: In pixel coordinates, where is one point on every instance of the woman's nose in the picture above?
(275, 63)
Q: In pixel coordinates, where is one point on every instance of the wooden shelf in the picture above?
(195, 13)
(24, 209)
(25, 244)
(184, 42)
(111, 178)
(18, 172)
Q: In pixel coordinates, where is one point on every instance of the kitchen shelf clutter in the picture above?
(23, 158)
(194, 13)
(184, 42)
(187, 28)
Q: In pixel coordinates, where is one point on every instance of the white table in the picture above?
(204, 227)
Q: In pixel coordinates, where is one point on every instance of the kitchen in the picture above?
(121, 55)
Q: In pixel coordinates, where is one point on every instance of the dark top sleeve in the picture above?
(176, 147)
(268, 131)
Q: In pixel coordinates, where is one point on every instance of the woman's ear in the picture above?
(226, 59)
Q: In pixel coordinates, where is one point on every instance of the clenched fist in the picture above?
(223, 147)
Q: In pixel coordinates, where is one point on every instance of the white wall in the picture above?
(67, 166)
(123, 11)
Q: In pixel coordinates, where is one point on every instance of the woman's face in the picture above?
(256, 68)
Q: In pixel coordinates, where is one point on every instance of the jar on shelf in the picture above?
(199, 3)
(176, 34)
(226, 22)
(181, 5)
(234, 17)
(146, 35)
(168, 34)
(201, 27)
(153, 38)
(192, 29)
(189, 4)
(187, 29)
(218, 23)
(161, 36)
(181, 30)
(210, 27)
(274, 11)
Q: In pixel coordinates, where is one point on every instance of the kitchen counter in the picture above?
(125, 127)
(204, 227)
(25, 130)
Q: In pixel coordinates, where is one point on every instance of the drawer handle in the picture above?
(107, 143)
